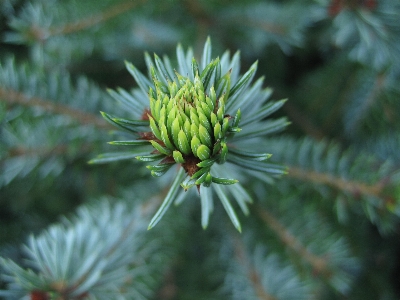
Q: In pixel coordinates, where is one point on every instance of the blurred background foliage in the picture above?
(327, 230)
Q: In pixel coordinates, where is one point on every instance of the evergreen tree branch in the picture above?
(352, 186)
(372, 104)
(256, 272)
(252, 274)
(14, 97)
(99, 253)
(278, 29)
(44, 152)
(376, 88)
(40, 151)
(360, 176)
(42, 34)
(319, 264)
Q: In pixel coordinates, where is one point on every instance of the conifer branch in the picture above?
(206, 119)
(76, 26)
(13, 97)
(252, 274)
(90, 234)
(352, 186)
(378, 84)
(319, 265)
(44, 152)
(41, 151)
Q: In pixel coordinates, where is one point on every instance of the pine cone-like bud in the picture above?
(189, 124)
(191, 118)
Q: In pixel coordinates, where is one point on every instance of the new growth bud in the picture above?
(189, 123)
(191, 120)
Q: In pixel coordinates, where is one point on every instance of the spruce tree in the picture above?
(199, 149)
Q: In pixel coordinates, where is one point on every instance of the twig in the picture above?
(354, 187)
(319, 264)
(14, 97)
(251, 272)
(90, 21)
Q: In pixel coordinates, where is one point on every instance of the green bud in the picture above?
(165, 137)
(216, 148)
(213, 119)
(217, 131)
(206, 109)
(224, 153)
(236, 119)
(193, 116)
(153, 74)
(186, 95)
(194, 144)
(205, 137)
(165, 101)
(152, 102)
(188, 183)
(204, 121)
(189, 84)
(183, 143)
(203, 152)
(155, 109)
(200, 94)
(154, 128)
(160, 169)
(183, 117)
(150, 157)
(197, 82)
(186, 109)
(195, 68)
(200, 172)
(171, 116)
(210, 104)
(206, 163)
(187, 130)
(152, 94)
(175, 128)
(225, 181)
(178, 157)
(160, 148)
(157, 173)
(234, 129)
(173, 89)
(178, 96)
(193, 94)
(162, 117)
(208, 180)
(201, 179)
(221, 109)
(181, 79)
(225, 126)
(213, 97)
(194, 130)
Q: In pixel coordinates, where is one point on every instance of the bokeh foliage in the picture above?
(329, 229)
